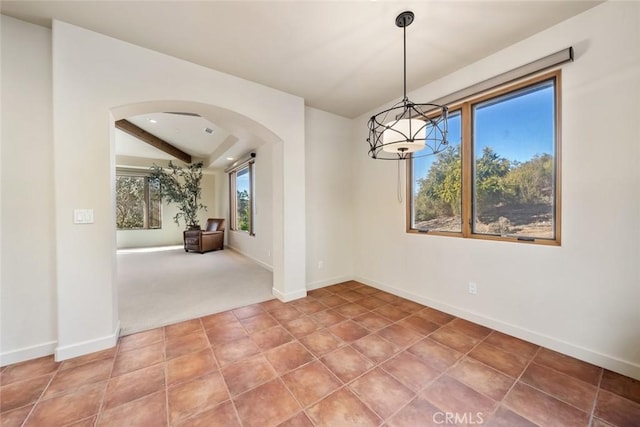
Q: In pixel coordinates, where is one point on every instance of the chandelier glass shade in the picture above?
(407, 128)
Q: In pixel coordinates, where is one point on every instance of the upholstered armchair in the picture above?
(209, 239)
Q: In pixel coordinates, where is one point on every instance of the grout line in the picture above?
(592, 414)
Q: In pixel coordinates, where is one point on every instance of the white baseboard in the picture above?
(612, 363)
(27, 353)
(86, 347)
(257, 261)
(328, 282)
(289, 296)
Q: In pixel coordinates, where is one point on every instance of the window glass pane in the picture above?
(437, 185)
(243, 202)
(514, 149)
(129, 202)
(155, 204)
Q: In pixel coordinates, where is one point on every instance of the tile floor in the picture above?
(347, 355)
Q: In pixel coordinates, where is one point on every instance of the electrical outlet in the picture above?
(473, 288)
(320, 265)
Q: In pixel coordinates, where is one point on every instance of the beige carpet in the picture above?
(157, 288)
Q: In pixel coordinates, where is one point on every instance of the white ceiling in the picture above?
(344, 57)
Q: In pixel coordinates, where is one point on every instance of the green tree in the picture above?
(532, 181)
(440, 191)
(243, 210)
(490, 183)
(129, 202)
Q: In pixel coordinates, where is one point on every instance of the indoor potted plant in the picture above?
(181, 185)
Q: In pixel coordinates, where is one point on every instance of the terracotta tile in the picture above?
(381, 392)
(452, 396)
(482, 378)
(29, 369)
(597, 422)
(434, 354)
(218, 319)
(183, 328)
(248, 311)
(367, 290)
(299, 420)
(225, 332)
(372, 321)
(288, 356)
(409, 306)
(371, 302)
(223, 415)
(327, 318)
(332, 300)
(621, 385)
(468, 328)
(376, 348)
(285, 314)
(148, 411)
(350, 310)
(310, 307)
(271, 338)
(72, 379)
(196, 396)
(435, 316)
(273, 304)
(311, 383)
(568, 365)
(248, 373)
(301, 326)
(141, 339)
(506, 418)
(87, 422)
(16, 417)
(319, 293)
(256, 408)
(391, 312)
(348, 331)
(346, 363)
(543, 409)
(321, 342)
(617, 410)
(512, 344)
(342, 408)
(67, 408)
(190, 366)
(179, 345)
(258, 323)
(411, 371)
(235, 350)
(350, 295)
(508, 363)
(132, 386)
(128, 361)
(387, 297)
(399, 335)
(109, 353)
(454, 339)
(22, 393)
(418, 413)
(561, 386)
(419, 324)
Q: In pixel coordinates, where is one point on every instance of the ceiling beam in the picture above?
(160, 144)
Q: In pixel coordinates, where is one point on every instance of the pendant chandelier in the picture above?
(407, 129)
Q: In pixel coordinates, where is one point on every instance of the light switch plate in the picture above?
(83, 216)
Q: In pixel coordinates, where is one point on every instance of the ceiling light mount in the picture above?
(407, 129)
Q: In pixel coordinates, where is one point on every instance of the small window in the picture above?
(499, 177)
(138, 203)
(242, 198)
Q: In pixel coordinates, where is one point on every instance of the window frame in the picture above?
(465, 107)
(233, 199)
(146, 208)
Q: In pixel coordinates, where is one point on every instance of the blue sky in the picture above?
(517, 127)
(242, 180)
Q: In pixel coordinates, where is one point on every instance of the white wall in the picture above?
(582, 298)
(258, 247)
(27, 296)
(170, 233)
(330, 198)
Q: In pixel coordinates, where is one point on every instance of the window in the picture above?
(499, 177)
(242, 198)
(138, 202)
